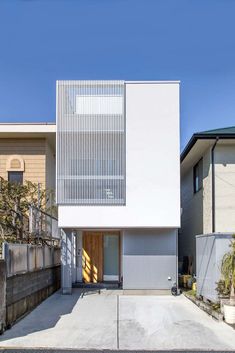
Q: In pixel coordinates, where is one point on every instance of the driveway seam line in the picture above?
(117, 321)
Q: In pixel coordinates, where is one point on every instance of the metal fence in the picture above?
(91, 142)
(36, 224)
(42, 224)
(22, 258)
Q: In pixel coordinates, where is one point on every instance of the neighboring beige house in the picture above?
(27, 152)
(207, 188)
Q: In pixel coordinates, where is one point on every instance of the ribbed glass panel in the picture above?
(90, 142)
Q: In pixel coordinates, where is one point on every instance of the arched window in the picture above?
(15, 169)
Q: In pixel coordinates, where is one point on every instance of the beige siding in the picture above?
(192, 216)
(207, 193)
(50, 167)
(225, 188)
(33, 152)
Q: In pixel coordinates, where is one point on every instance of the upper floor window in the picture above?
(197, 176)
(15, 169)
(15, 177)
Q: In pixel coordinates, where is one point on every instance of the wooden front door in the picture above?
(92, 257)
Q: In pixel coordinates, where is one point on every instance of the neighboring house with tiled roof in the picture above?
(207, 188)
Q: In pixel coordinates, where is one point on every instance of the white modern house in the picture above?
(118, 182)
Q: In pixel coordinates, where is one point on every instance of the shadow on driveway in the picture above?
(77, 321)
(45, 315)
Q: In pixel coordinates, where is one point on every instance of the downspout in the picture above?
(213, 183)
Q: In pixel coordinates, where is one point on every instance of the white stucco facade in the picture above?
(152, 164)
(132, 191)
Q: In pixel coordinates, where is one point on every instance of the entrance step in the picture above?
(103, 285)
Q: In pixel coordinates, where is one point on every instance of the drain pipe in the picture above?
(213, 183)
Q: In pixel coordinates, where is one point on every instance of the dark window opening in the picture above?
(15, 177)
(197, 176)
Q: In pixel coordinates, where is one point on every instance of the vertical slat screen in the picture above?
(90, 142)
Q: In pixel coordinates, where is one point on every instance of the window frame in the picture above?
(198, 173)
(18, 172)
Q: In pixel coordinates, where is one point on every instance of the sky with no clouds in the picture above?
(188, 40)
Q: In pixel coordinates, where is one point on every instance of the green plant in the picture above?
(222, 289)
(215, 306)
(228, 270)
(15, 202)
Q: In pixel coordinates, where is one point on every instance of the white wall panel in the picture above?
(152, 174)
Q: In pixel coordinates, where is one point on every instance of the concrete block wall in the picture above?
(2, 295)
(28, 275)
(22, 258)
(21, 293)
(25, 291)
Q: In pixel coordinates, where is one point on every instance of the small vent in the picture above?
(15, 163)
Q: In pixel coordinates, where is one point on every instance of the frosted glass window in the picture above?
(90, 142)
(99, 105)
(111, 257)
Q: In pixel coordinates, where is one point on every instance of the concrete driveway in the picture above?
(115, 321)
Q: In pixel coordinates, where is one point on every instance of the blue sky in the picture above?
(188, 40)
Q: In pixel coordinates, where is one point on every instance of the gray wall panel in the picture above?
(149, 258)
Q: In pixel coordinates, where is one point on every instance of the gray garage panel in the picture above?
(149, 258)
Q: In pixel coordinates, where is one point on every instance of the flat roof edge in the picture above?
(30, 123)
(154, 82)
(129, 82)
